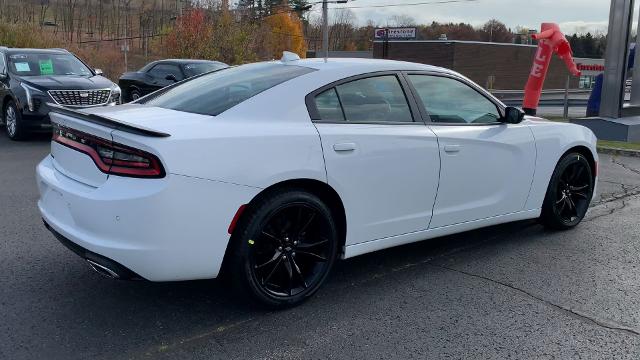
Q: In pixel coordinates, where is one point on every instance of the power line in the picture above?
(407, 4)
(120, 39)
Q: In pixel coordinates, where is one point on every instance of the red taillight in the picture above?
(109, 157)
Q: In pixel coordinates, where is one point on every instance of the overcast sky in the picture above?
(572, 15)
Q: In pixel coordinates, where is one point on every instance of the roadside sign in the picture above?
(396, 33)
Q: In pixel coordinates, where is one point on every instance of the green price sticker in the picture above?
(46, 67)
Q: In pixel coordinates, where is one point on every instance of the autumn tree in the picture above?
(284, 34)
(191, 37)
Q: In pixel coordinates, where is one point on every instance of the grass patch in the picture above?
(618, 145)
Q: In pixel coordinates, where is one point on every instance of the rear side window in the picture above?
(374, 99)
(328, 105)
(161, 71)
(214, 93)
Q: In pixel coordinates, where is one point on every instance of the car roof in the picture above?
(185, 61)
(35, 51)
(359, 65)
(178, 61)
(190, 61)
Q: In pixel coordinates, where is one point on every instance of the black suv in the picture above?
(31, 78)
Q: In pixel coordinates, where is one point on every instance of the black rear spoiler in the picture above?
(106, 121)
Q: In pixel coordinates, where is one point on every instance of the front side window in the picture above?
(161, 71)
(33, 64)
(375, 99)
(451, 101)
(216, 92)
(3, 66)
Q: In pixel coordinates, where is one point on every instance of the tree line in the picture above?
(249, 30)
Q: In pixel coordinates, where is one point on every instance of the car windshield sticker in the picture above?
(22, 66)
(46, 67)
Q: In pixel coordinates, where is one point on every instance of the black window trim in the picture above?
(404, 86)
(425, 114)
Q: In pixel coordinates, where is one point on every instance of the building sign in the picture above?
(591, 67)
(396, 33)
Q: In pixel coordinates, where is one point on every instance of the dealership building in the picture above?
(495, 66)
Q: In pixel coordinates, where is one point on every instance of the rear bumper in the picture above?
(109, 267)
(167, 229)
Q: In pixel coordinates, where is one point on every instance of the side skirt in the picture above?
(385, 243)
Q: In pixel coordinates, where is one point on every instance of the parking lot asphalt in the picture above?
(509, 291)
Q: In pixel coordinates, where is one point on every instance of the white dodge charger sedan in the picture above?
(269, 172)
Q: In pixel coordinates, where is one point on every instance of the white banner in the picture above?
(396, 33)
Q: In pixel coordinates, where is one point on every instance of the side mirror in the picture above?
(98, 71)
(512, 115)
(3, 76)
(171, 77)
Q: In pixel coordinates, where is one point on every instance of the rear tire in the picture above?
(569, 193)
(13, 121)
(134, 95)
(283, 249)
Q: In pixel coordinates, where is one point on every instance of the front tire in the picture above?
(284, 248)
(569, 193)
(13, 121)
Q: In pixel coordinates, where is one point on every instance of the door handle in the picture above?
(344, 147)
(452, 149)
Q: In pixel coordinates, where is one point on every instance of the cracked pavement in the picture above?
(510, 291)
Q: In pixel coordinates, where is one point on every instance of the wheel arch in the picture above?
(320, 189)
(5, 101)
(586, 152)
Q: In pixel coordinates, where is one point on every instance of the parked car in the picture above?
(158, 74)
(31, 78)
(269, 172)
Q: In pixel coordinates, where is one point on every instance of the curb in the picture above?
(616, 151)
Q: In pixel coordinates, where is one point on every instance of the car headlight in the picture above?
(30, 91)
(115, 94)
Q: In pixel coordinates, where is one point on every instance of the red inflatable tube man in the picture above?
(551, 40)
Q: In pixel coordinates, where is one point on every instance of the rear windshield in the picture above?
(214, 93)
(31, 64)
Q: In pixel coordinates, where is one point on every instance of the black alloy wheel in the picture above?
(569, 193)
(287, 248)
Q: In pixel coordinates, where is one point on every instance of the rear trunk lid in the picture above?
(142, 127)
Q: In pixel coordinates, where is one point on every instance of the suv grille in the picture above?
(81, 97)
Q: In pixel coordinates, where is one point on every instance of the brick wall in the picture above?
(509, 64)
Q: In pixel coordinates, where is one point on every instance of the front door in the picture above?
(487, 166)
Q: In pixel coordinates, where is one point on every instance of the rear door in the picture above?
(487, 166)
(383, 162)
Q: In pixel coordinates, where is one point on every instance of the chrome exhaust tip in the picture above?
(103, 270)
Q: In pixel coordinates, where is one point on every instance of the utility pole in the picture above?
(325, 29)
(325, 25)
(126, 42)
